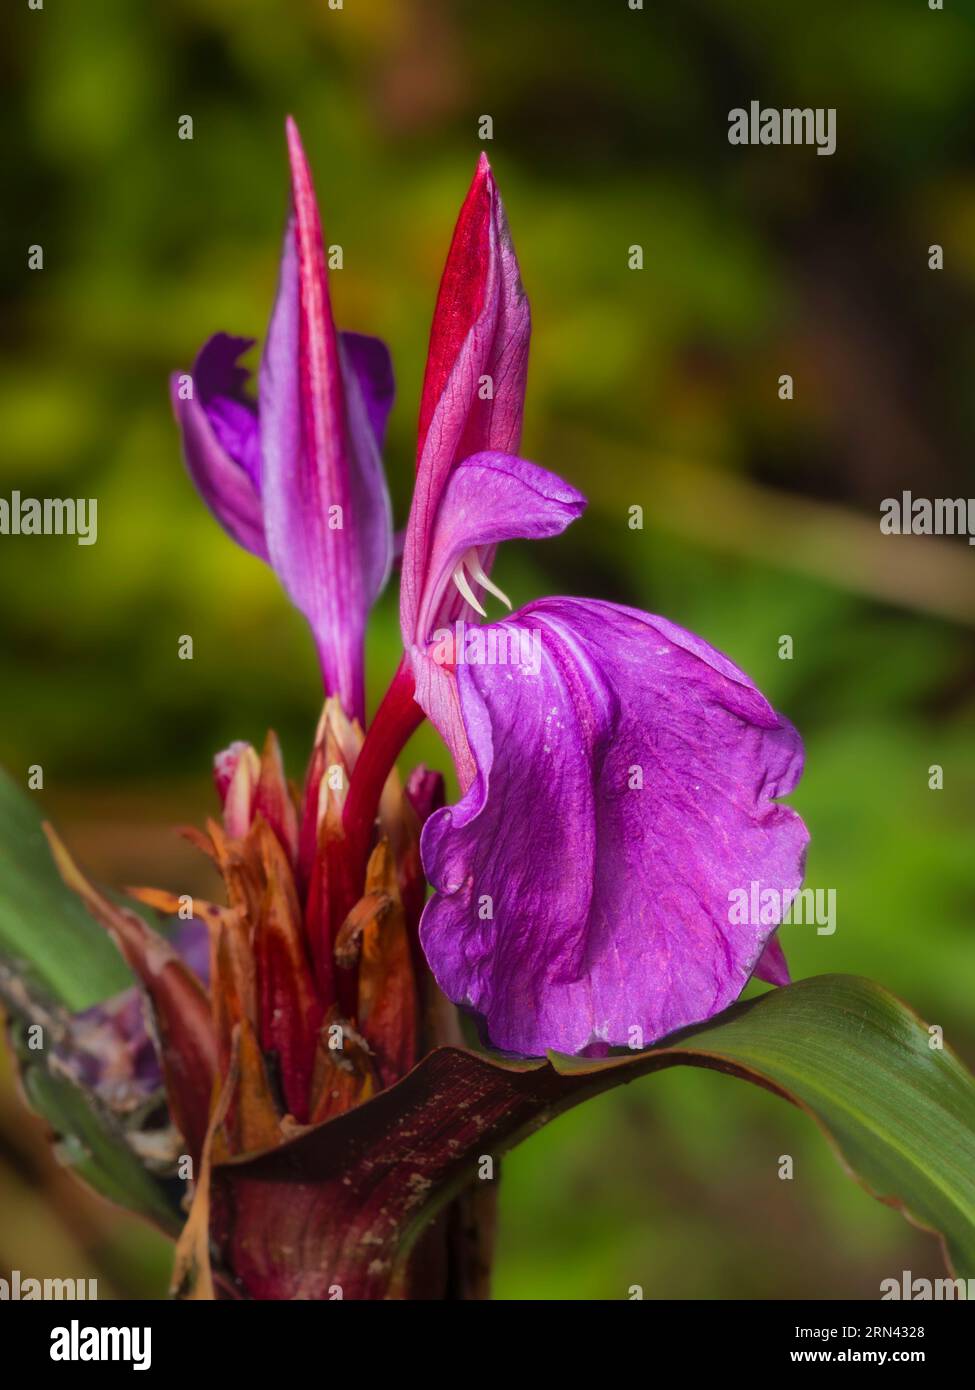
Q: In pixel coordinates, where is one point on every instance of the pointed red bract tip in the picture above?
(302, 185)
(293, 137)
(461, 295)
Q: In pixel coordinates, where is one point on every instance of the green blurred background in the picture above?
(655, 387)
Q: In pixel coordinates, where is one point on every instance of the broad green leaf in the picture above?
(899, 1111)
(900, 1114)
(48, 941)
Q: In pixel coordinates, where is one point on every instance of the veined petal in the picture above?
(624, 792)
(488, 498)
(220, 440)
(326, 510)
(474, 386)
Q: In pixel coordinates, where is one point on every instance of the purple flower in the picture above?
(619, 774)
(620, 778)
(298, 479)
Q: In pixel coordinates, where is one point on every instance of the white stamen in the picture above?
(474, 565)
(460, 579)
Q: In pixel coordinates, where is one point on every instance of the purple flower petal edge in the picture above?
(623, 791)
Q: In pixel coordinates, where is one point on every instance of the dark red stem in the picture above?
(397, 717)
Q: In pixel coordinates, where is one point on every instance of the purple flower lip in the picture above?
(581, 884)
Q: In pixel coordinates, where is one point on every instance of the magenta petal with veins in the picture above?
(623, 793)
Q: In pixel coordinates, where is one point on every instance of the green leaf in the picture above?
(55, 961)
(48, 941)
(900, 1114)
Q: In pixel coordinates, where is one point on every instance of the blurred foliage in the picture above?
(610, 129)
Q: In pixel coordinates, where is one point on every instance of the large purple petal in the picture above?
(622, 793)
(219, 432)
(326, 511)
